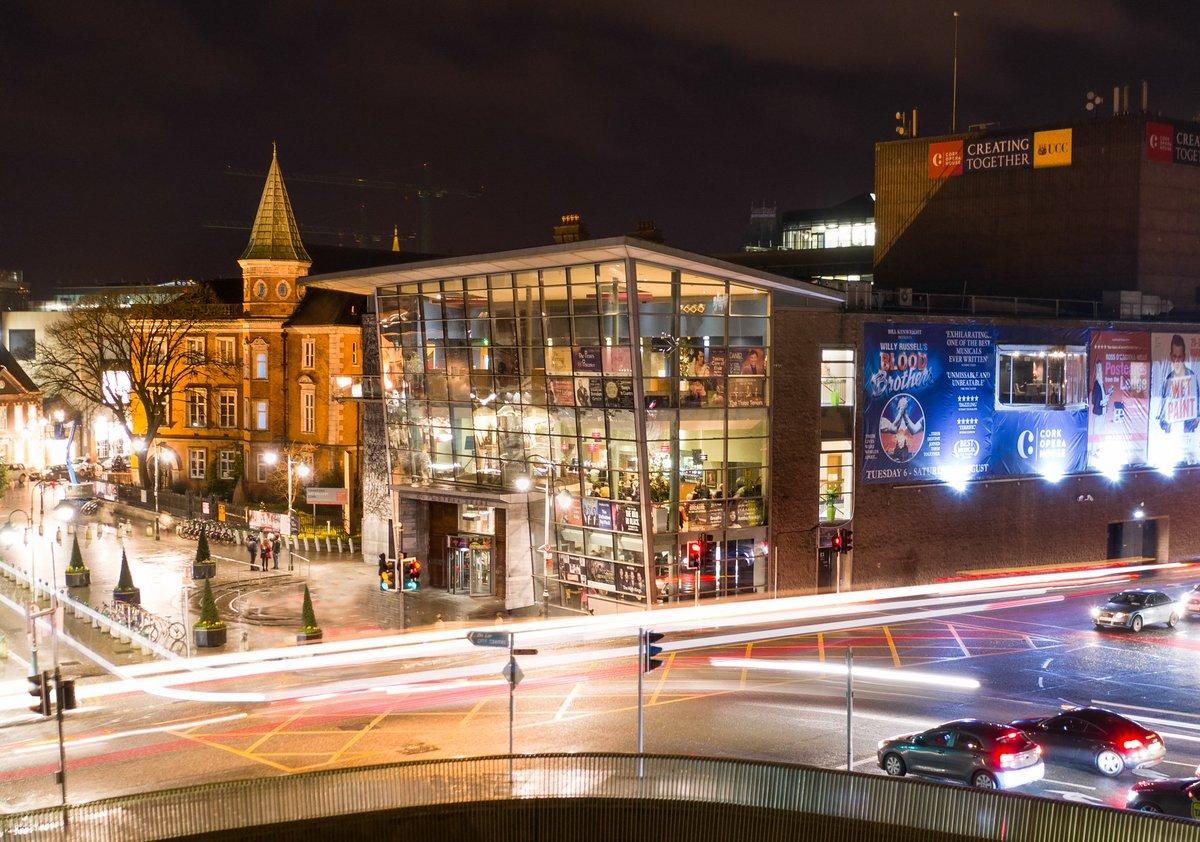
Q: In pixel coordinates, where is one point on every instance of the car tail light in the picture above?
(1037, 750)
(1132, 744)
(1007, 759)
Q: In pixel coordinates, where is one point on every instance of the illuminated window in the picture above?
(227, 408)
(1041, 375)
(260, 365)
(226, 349)
(195, 350)
(197, 408)
(262, 468)
(260, 415)
(836, 481)
(837, 377)
(197, 462)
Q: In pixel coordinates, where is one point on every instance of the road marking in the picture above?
(349, 743)
(1179, 737)
(864, 761)
(474, 710)
(892, 645)
(1177, 763)
(283, 724)
(662, 679)
(1104, 702)
(1029, 640)
(135, 732)
(1068, 783)
(958, 640)
(742, 680)
(566, 703)
(821, 646)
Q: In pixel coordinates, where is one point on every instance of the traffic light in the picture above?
(39, 688)
(411, 572)
(695, 549)
(839, 541)
(847, 540)
(64, 691)
(649, 650)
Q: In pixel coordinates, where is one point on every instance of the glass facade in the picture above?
(633, 410)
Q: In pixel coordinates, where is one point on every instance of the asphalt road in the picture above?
(1030, 655)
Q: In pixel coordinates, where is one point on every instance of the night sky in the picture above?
(119, 118)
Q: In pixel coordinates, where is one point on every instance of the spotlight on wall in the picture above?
(1139, 513)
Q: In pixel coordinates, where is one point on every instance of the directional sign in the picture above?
(529, 652)
(512, 673)
(489, 638)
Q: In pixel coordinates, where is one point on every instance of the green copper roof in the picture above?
(275, 235)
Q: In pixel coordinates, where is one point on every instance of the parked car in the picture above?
(1094, 737)
(982, 754)
(17, 472)
(1169, 796)
(1135, 608)
(1193, 603)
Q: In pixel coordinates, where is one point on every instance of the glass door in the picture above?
(481, 568)
(458, 557)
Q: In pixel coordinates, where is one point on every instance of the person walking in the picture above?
(266, 552)
(276, 546)
(252, 548)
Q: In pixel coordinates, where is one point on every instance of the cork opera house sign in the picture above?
(1021, 151)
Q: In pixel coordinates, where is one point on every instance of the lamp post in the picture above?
(139, 446)
(301, 469)
(524, 484)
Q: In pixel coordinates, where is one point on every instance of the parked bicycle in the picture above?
(217, 532)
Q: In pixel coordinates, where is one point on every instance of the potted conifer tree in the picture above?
(309, 630)
(125, 590)
(209, 631)
(78, 575)
(203, 567)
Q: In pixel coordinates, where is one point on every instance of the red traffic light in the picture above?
(839, 540)
(694, 548)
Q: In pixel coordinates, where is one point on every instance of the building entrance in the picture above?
(470, 563)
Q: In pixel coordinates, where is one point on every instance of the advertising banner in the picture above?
(945, 158)
(631, 580)
(929, 400)
(998, 153)
(1160, 142)
(1052, 148)
(1174, 398)
(601, 574)
(1039, 441)
(1118, 399)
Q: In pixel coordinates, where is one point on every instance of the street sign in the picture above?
(524, 651)
(489, 638)
(512, 673)
(326, 496)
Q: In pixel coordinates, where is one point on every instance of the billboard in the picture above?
(1174, 399)
(1052, 148)
(1118, 399)
(945, 158)
(998, 153)
(929, 400)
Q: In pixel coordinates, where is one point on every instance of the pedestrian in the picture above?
(276, 546)
(252, 548)
(266, 552)
(58, 536)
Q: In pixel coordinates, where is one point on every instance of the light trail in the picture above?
(890, 676)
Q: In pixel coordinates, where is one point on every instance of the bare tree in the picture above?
(121, 351)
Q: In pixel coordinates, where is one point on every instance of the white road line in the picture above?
(1177, 763)
(136, 732)
(958, 640)
(1068, 783)
(566, 703)
(1104, 702)
(864, 761)
(1179, 737)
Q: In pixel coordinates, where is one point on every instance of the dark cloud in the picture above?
(121, 116)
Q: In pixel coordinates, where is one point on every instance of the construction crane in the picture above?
(394, 237)
(425, 192)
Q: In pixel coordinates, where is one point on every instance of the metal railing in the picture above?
(707, 783)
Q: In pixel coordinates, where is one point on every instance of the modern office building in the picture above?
(587, 423)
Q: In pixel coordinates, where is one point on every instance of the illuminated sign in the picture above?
(945, 158)
(1160, 142)
(998, 153)
(1052, 148)
(1187, 145)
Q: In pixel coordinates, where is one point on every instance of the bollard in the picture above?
(327, 545)
(339, 543)
(305, 543)
(350, 541)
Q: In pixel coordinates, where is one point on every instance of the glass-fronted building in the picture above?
(587, 424)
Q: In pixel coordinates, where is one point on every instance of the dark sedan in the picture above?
(982, 754)
(1094, 737)
(1170, 796)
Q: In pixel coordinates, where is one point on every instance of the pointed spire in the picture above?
(395, 238)
(275, 235)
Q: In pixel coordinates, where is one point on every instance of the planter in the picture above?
(132, 596)
(78, 578)
(309, 635)
(204, 569)
(831, 511)
(209, 638)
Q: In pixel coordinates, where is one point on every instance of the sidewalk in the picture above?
(261, 610)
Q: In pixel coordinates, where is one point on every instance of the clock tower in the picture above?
(275, 259)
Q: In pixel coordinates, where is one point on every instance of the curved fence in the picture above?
(892, 809)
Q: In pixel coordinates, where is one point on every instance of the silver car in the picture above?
(1135, 608)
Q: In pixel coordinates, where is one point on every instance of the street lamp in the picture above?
(1139, 513)
(524, 484)
(139, 446)
(301, 469)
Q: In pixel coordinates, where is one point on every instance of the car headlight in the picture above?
(881, 744)
(1095, 612)
(1130, 796)
(1120, 615)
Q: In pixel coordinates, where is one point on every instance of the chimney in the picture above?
(570, 229)
(646, 229)
(1116, 100)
